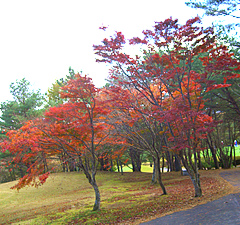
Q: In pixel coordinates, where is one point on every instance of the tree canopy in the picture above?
(25, 106)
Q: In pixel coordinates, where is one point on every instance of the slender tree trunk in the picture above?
(118, 165)
(159, 175)
(199, 161)
(154, 173)
(91, 176)
(234, 157)
(169, 161)
(163, 159)
(135, 159)
(196, 182)
(131, 153)
(194, 175)
(177, 164)
(138, 162)
(92, 181)
(215, 158)
(213, 151)
(97, 197)
(101, 163)
(71, 165)
(230, 158)
(121, 167)
(111, 169)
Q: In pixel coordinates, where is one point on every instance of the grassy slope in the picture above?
(67, 198)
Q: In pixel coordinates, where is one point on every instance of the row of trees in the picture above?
(172, 102)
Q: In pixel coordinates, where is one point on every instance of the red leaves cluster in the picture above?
(168, 66)
(76, 129)
(111, 48)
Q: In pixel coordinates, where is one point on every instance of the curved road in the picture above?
(223, 211)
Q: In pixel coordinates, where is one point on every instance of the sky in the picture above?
(40, 39)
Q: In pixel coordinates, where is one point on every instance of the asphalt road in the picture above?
(223, 211)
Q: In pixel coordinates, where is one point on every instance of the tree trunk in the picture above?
(163, 159)
(215, 158)
(101, 163)
(131, 153)
(118, 165)
(121, 167)
(230, 159)
(159, 175)
(135, 159)
(199, 161)
(196, 183)
(138, 162)
(234, 157)
(92, 180)
(154, 173)
(213, 151)
(169, 161)
(97, 197)
(177, 164)
(71, 165)
(111, 165)
(194, 175)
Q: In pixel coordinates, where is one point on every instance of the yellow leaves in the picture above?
(102, 117)
(161, 132)
(164, 128)
(168, 135)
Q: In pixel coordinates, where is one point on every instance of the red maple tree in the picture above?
(184, 62)
(75, 129)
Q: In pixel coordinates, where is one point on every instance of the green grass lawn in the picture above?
(237, 150)
(67, 198)
(145, 168)
(237, 153)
